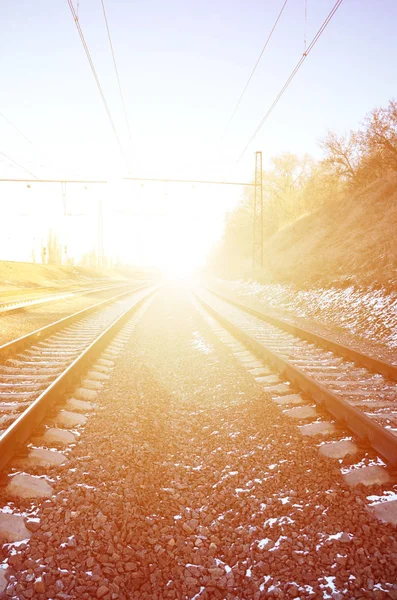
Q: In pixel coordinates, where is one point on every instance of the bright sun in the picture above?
(171, 228)
(173, 233)
(178, 272)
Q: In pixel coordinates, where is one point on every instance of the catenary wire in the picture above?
(18, 164)
(292, 75)
(25, 137)
(116, 71)
(305, 30)
(80, 32)
(16, 128)
(254, 69)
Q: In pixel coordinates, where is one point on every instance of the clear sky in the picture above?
(183, 65)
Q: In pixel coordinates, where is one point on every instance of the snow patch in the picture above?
(387, 496)
(263, 543)
(200, 344)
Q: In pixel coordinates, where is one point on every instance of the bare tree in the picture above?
(54, 249)
(379, 138)
(342, 154)
(284, 185)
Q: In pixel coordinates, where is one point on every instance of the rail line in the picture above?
(358, 390)
(15, 305)
(37, 369)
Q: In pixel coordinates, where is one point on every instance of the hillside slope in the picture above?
(352, 240)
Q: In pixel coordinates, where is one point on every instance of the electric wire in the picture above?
(18, 164)
(25, 137)
(80, 32)
(32, 144)
(292, 75)
(16, 128)
(305, 30)
(116, 71)
(254, 69)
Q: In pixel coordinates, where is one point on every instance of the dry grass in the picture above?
(14, 275)
(352, 240)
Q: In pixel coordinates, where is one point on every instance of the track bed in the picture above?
(189, 482)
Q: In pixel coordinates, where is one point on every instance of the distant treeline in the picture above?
(294, 186)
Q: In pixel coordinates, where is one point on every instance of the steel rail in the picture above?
(21, 429)
(10, 348)
(15, 306)
(373, 364)
(382, 440)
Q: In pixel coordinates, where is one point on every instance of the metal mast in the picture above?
(257, 246)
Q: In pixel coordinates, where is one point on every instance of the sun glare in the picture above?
(168, 227)
(178, 272)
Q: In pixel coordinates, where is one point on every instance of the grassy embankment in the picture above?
(15, 276)
(350, 241)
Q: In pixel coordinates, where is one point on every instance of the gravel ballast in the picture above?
(364, 319)
(26, 320)
(189, 483)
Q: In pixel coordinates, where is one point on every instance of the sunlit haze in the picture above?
(182, 67)
(198, 292)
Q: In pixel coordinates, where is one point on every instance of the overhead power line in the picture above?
(254, 69)
(16, 129)
(55, 180)
(146, 179)
(76, 20)
(18, 164)
(116, 71)
(193, 181)
(292, 75)
(305, 30)
(25, 137)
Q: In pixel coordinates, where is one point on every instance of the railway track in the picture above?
(18, 304)
(358, 390)
(37, 369)
(185, 484)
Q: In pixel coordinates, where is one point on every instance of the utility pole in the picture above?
(65, 212)
(100, 234)
(63, 191)
(257, 237)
